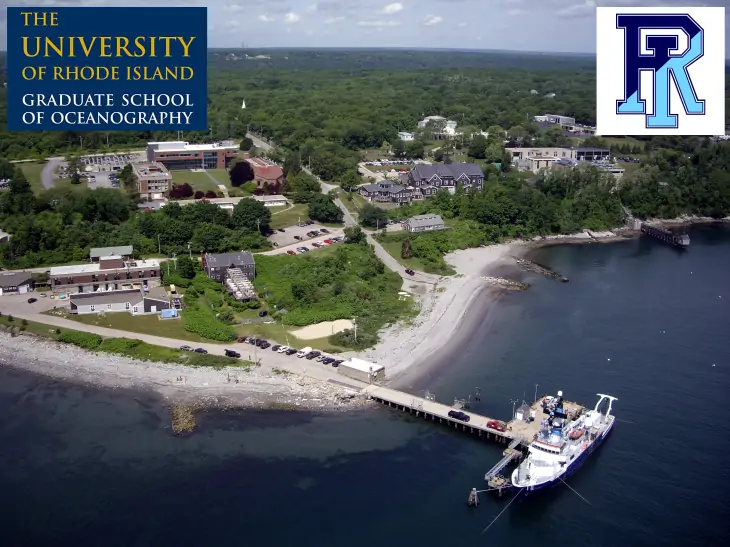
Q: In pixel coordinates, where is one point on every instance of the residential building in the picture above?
(153, 180)
(217, 265)
(134, 301)
(125, 251)
(385, 191)
(448, 127)
(183, 155)
(266, 172)
(431, 178)
(239, 285)
(111, 273)
(424, 223)
(404, 136)
(272, 201)
(15, 282)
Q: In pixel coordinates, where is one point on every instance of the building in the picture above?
(217, 265)
(15, 283)
(272, 201)
(153, 180)
(183, 155)
(364, 371)
(431, 178)
(608, 167)
(404, 136)
(125, 251)
(424, 223)
(239, 285)
(134, 301)
(111, 273)
(555, 119)
(574, 153)
(266, 172)
(385, 191)
(447, 127)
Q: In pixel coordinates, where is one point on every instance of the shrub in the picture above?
(84, 340)
(203, 324)
(199, 194)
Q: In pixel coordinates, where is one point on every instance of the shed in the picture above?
(364, 371)
(15, 282)
(523, 412)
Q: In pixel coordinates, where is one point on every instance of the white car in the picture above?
(282, 349)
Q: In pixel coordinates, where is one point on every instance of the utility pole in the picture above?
(174, 257)
(514, 404)
(258, 224)
(159, 246)
(190, 253)
(354, 327)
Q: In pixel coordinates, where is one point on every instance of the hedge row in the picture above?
(84, 340)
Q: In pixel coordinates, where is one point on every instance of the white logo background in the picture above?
(707, 75)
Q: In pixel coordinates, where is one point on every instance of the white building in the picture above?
(404, 136)
(271, 201)
(364, 371)
(449, 126)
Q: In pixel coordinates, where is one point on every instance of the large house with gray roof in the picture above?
(432, 178)
(385, 191)
(217, 265)
(134, 301)
(424, 223)
(123, 251)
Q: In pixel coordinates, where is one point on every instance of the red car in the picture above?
(290, 252)
(494, 424)
(328, 241)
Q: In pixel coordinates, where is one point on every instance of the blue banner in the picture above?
(107, 69)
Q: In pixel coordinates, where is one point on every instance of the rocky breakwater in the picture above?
(509, 284)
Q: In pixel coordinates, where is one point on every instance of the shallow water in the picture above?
(639, 320)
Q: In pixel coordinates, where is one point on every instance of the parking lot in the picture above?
(289, 235)
(113, 162)
(309, 243)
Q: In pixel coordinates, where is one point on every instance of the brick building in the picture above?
(111, 273)
(153, 180)
(183, 155)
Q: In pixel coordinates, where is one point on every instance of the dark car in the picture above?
(410, 272)
(251, 341)
(458, 415)
(309, 222)
(282, 230)
(263, 313)
(242, 339)
(201, 350)
(291, 351)
(31, 300)
(312, 354)
(275, 347)
(336, 363)
(298, 238)
(328, 360)
(265, 345)
(324, 230)
(231, 353)
(260, 342)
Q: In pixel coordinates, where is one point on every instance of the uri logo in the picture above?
(660, 71)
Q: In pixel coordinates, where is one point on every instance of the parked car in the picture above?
(324, 230)
(31, 300)
(290, 252)
(259, 342)
(265, 345)
(329, 241)
(303, 250)
(291, 351)
(317, 245)
(275, 347)
(283, 349)
(186, 348)
(312, 354)
(496, 424)
(459, 415)
(309, 222)
(328, 360)
(275, 244)
(263, 313)
(282, 230)
(321, 358)
(231, 353)
(336, 363)
(298, 238)
(201, 350)
(410, 272)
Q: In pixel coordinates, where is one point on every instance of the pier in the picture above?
(518, 432)
(678, 240)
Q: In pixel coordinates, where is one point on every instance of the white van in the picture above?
(304, 352)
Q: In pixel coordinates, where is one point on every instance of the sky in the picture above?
(527, 25)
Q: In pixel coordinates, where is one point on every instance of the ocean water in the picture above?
(639, 320)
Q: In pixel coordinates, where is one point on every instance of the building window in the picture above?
(126, 305)
(108, 306)
(135, 309)
(92, 307)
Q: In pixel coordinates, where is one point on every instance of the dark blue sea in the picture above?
(639, 320)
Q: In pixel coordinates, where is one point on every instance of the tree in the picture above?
(183, 191)
(415, 150)
(185, 267)
(249, 214)
(406, 250)
(373, 216)
(322, 209)
(292, 164)
(399, 149)
(303, 187)
(354, 235)
(350, 179)
(478, 147)
(74, 168)
(240, 173)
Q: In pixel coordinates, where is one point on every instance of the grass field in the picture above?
(32, 171)
(283, 217)
(199, 181)
(221, 175)
(394, 250)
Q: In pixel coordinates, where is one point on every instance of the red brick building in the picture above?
(266, 172)
(183, 155)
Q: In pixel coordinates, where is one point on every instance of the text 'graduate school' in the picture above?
(107, 69)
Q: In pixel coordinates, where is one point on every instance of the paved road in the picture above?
(258, 143)
(49, 170)
(18, 307)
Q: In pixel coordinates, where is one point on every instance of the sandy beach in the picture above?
(256, 387)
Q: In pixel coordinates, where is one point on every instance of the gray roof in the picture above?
(13, 279)
(454, 170)
(225, 260)
(133, 296)
(383, 186)
(122, 250)
(157, 293)
(588, 149)
(425, 220)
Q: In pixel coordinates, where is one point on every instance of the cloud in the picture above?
(333, 20)
(462, 25)
(266, 18)
(311, 9)
(390, 9)
(381, 23)
(588, 7)
(516, 11)
(291, 18)
(432, 20)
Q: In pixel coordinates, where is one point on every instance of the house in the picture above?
(446, 127)
(239, 285)
(217, 265)
(364, 371)
(424, 223)
(111, 273)
(134, 301)
(448, 176)
(272, 201)
(15, 282)
(385, 191)
(404, 136)
(266, 172)
(124, 251)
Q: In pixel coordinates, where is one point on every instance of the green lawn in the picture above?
(221, 175)
(199, 181)
(32, 171)
(394, 250)
(283, 217)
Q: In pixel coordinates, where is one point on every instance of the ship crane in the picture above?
(610, 404)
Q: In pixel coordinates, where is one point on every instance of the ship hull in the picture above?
(572, 468)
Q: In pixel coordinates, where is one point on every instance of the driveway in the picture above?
(49, 170)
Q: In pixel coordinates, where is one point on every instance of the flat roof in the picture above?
(96, 267)
(122, 250)
(270, 198)
(183, 146)
(362, 366)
